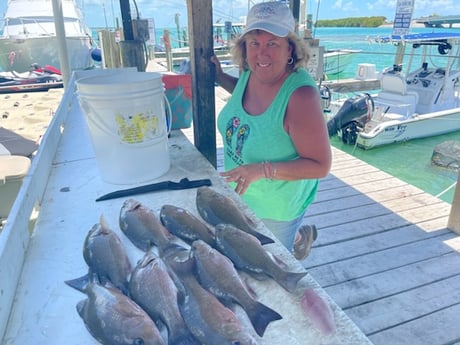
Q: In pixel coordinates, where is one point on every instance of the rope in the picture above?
(447, 189)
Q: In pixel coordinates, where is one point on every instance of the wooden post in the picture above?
(133, 55)
(201, 49)
(168, 50)
(454, 216)
(125, 10)
(111, 56)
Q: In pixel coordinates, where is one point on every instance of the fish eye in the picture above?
(138, 341)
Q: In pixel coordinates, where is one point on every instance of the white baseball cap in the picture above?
(273, 17)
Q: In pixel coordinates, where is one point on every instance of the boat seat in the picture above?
(393, 82)
(394, 92)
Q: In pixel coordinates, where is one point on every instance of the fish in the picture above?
(218, 275)
(105, 256)
(206, 317)
(185, 225)
(112, 318)
(318, 311)
(216, 208)
(142, 226)
(153, 289)
(248, 254)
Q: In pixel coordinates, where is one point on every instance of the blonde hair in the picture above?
(300, 51)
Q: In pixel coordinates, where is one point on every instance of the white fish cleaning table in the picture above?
(36, 306)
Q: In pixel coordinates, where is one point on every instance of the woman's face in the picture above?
(267, 55)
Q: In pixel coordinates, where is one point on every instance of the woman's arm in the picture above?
(305, 123)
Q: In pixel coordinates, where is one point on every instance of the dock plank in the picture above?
(436, 328)
(412, 305)
(401, 250)
(387, 283)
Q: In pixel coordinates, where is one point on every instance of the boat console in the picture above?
(436, 90)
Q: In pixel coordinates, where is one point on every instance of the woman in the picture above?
(276, 145)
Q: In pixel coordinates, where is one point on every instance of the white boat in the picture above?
(335, 61)
(29, 36)
(420, 100)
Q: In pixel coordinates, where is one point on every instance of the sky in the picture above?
(101, 13)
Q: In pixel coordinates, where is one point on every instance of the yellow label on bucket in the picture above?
(137, 128)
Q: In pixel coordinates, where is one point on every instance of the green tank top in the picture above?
(253, 139)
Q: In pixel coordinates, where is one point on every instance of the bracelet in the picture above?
(269, 169)
(265, 169)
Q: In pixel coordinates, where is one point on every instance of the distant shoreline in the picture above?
(413, 24)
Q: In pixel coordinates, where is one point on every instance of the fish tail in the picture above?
(261, 316)
(290, 279)
(263, 239)
(79, 283)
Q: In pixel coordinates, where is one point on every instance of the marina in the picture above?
(386, 260)
(370, 226)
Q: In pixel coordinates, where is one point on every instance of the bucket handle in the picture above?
(168, 114)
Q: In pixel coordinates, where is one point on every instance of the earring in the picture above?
(290, 60)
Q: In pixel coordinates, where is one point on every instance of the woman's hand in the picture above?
(223, 79)
(216, 63)
(244, 175)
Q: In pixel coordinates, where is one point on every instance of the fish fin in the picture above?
(80, 283)
(278, 260)
(261, 316)
(291, 279)
(244, 278)
(263, 239)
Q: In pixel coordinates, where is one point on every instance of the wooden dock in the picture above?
(383, 253)
(385, 256)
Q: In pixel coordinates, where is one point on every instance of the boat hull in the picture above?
(19, 54)
(335, 61)
(421, 126)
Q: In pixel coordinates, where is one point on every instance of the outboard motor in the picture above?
(351, 117)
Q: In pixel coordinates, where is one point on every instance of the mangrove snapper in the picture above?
(216, 208)
(114, 319)
(218, 275)
(185, 225)
(105, 256)
(142, 227)
(206, 317)
(153, 289)
(248, 254)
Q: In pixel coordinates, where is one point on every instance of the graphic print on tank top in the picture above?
(241, 133)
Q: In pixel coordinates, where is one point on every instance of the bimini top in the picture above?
(419, 37)
(443, 40)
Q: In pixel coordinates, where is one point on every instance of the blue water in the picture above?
(409, 161)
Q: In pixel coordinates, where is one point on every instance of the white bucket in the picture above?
(125, 114)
